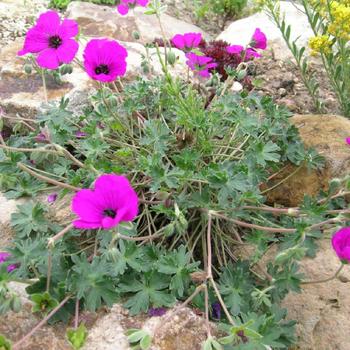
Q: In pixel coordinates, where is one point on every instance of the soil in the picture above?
(282, 80)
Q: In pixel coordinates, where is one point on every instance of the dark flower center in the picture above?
(55, 42)
(110, 213)
(102, 69)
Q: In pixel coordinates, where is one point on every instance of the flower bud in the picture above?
(171, 58)
(136, 35)
(28, 68)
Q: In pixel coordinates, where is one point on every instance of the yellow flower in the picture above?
(340, 19)
(320, 44)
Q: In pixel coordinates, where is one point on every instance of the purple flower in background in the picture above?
(52, 40)
(235, 49)
(341, 244)
(216, 310)
(259, 40)
(4, 256)
(251, 53)
(105, 60)
(80, 134)
(125, 5)
(158, 311)
(41, 137)
(112, 201)
(187, 41)
(52, 197)
(347, 140)
(12, 267)
(200, 64)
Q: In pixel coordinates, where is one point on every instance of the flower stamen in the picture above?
(110, 213)
(102, 69)
(55, 42)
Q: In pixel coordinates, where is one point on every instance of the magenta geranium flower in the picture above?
(200, 64)
(234, 49)
(347, 140)
(112, 201)
(251, 53)
(341, 244)
(126, 5)
(188, 41)
(105, 60)
(259, 40)
(52, 40)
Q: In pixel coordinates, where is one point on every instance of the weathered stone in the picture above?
(326, 134)
(322, 310)
(7, 207)
(105, 21)
(240, 32)
(108, 332)
(183, 331)
(15, 326)
(23, 95)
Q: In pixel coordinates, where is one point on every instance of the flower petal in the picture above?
(123, 9)
(48, 23)
(88, 206)
(81, 224)
(67, 51)
(68, 29)
(48, 59)
(34, 42)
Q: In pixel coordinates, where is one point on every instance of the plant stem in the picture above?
(52, 240)
(16, 346)
(46, 179)
(217, 292)
(327, 279)
(76, 317)
(44, 84)
(283, 181)
(207, 322)
(49, 269)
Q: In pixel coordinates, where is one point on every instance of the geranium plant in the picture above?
(166, 177)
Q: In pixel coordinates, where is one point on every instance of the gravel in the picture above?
(16, 16)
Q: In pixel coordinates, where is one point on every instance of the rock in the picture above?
(7, 207)
(105, 21)
(22, 95)
(322, 310)
(241, 31)
(183, 331)
(14, 326)
(326, 134)
(108, 332)
(16, 16)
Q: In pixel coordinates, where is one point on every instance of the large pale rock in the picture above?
(322, 310)
(241, 31)
(105, 21)
(326, 134)
(23, 95)
(183, 331)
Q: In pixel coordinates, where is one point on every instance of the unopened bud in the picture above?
(171, 58)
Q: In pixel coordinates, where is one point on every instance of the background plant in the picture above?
(329, 21)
